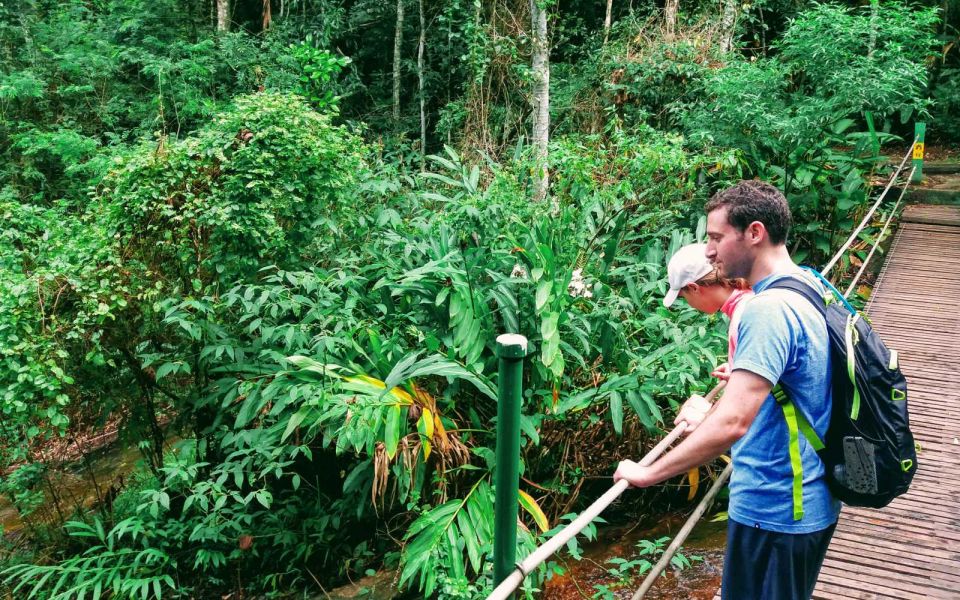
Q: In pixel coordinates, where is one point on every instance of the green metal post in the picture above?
(511, 349)
(920, 129)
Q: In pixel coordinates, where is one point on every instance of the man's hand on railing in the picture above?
(636, 474)
(692, 413)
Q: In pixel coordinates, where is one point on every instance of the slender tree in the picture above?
(607, 22)
(223, 15)
(397, 44)
(728, 24)
(670, 9)
(541, 98)
(267, 17)
(423, 108)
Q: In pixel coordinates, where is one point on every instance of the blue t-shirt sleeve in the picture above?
(765, 339)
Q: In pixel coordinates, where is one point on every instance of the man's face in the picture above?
(727, 248)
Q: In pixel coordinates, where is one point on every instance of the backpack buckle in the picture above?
(779, 395)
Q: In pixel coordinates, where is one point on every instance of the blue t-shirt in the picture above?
(783, 338)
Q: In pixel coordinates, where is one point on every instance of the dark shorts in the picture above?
(766, 565)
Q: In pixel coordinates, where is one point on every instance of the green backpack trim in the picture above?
(797, 424)
(852, 338)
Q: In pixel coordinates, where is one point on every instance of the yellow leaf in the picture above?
(530, 505)
(694, 475)
(725, 458)
(426, 419)
(400, 394)
(426, 449)
(367, 379)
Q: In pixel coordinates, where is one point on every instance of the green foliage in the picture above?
(319, 69)
(254, 187)
(222, 230)
(79, 77)
(852, 62)
(105, 568)
(795, 116)
(946, 110)
(625, 570)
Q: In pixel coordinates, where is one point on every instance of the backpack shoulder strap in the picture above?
(797, 425)
(795, 285)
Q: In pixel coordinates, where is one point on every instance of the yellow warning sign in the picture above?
(918, 151)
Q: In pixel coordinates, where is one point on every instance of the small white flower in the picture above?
(578, 287)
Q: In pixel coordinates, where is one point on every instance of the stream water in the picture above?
(700, 581)
(74, 485)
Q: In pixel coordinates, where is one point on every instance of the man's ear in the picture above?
(691, 288)
(756, 232)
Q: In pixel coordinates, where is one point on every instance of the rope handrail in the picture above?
(538, 556)
(866, 218)
(876, 243)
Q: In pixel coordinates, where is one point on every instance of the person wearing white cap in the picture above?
(692, 277)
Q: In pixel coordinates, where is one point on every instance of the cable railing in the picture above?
(866, 218)
(514, 579)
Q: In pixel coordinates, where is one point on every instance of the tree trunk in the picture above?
(607, 22)
(728, 24)
(423, 109)
(541, 99)
(397, 44)
(874, 15)
(223, 15)
(267, 18)
(670, 17)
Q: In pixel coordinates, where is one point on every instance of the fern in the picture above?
(104, 570)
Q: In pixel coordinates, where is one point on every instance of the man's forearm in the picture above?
(709, 440)
(727, 422)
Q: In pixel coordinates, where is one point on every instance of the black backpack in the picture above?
(869, 452)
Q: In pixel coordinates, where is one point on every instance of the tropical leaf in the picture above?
(436, 536)
(530, 505)
(391, 436)
(694, 477)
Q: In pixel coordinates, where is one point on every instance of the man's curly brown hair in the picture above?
(754, 200)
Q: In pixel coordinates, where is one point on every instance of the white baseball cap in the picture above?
(686, 266)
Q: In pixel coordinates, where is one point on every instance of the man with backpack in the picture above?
(781, 514)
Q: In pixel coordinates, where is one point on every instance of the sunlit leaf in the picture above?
(694, 476)
(533, 509)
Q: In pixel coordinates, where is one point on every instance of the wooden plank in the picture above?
(915, 579)
(894, 589)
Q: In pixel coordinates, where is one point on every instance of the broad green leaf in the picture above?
(543, 293)
(392, 430)
(616, 411)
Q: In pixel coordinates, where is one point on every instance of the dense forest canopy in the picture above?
(272, 242)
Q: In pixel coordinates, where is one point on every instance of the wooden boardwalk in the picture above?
(910, 550)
